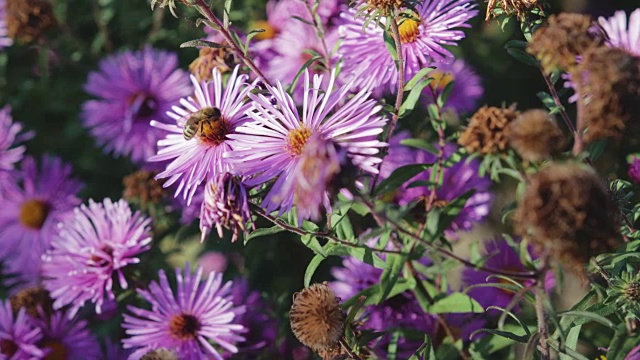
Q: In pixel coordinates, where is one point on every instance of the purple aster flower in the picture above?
(30, 214)
(367, 60)
(634, 354)
(9, 136)
(66, 337)
(198, 160)
(458, 180)
(621, 34)
(133, 88)
(226, 204)
(114, 351)
(18, 336)
(350, 124)
(467, 86)
(261, 329)
(5, 40)
(501, 256)
(92, 248)
(634, 170)
(186, 321)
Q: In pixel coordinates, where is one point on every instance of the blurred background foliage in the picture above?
(43, 82)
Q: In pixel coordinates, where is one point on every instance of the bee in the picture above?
(195, 121)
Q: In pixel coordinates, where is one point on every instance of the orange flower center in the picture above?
(184, 326)
(214, 131)
(58, 350)
(297, 139)
(440, 80)
(269, 31)
(408, 29)
(33, 213)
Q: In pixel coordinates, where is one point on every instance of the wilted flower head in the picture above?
(225, 204)
(622, 34)
(30, 214)
(565, 37)
(608, 89)
(519, 7)
(210, 59)
(18, 336)
(485, 133)
(568, 213)
(535, 135)
(216, 112)
(350, 124)
(132, 88)
(142, 189)
(27, 20)
(188, 321)
(35, 300)
(93, 248)
(316, 317)
(160, 354)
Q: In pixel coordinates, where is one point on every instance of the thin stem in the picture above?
(541, 314)
(319, 34)
(102, 26)
(348, 349)
(578, 144)
(556, 100)
(439, 163)
(206, 11)
(158, 19)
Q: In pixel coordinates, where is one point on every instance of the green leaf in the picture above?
(445, 93)
(456, 303)
(420, 144)
(389, 278)
(506, 334)
(420, 75)
(263, 232)
(572, 341)
(425, 351)
(302, 69)
(202, 43)
(412, 99)
(590, 316)
(517, 49)
(399, 177)
(391, 47)
(311, 268)
(313, 244)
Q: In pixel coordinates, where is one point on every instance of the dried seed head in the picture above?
(535, 135)
(485, 133)
(567, 211)
(220, 59)
(141, 187)
(316, 317)
(518, 7)
(32, 299)
(28, 19)
(385, 6)
(563, 39)
(160, 354)
(609, 92)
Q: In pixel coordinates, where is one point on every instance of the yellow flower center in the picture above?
(440, 80)
(33, 213)
(297, 139)
(58, 350)
(408, 29)
(184, 326)
(269, 31)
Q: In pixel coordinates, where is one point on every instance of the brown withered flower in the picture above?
(141, 187)
(220, 59)
(27, 20)
(485, 132)
(568, 213)
(565, 37)
(160, 354)
(609, 92)
(385, 6)
(316, 317)
(518, 7)
(535, 135)
(32, 299)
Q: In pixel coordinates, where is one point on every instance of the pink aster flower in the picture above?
(5, 40)
(66, 337)
(92, 248)
(18, 336)
(189, 321)
(199, 159)
(9, 136)
(423, 37)
(271, 146)
(30, 214)
(133, 88)
(623, 34)
(634, 169)
(225, 204)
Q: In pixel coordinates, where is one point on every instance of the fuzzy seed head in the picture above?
(485, 133)
(160, 354)
(535, 135)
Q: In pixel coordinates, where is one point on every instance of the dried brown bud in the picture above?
(535, 135)
(386, 5)
(209, 59)
(563, 39)
(518, 7)
(316, 317)
(608, 86)
(485, 133)
(143, 188)
(567, 211)
(32, 299)
(160, 354)
(28, 19)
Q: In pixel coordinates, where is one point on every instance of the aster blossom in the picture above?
(186, 321)
(194, 161)
(270, 147)
(18, 336)
(5, 40)
(9, 136)
(131, 89)
(467, 86)
(92, 249)
(30, 214)
(66, 337)
(423, 36)
(225, 205)
(621, 33)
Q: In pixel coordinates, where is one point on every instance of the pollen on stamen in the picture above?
(33, 213)
(297, 139)
(184, 326)
(408, 30)
(214, 131)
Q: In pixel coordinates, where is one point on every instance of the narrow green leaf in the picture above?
(202, 43)
(263, 232)
(456, 303)
(572, 341)
(422, 74)
(589, 315)
(412, 99)
(311, 268)
(399, 177)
